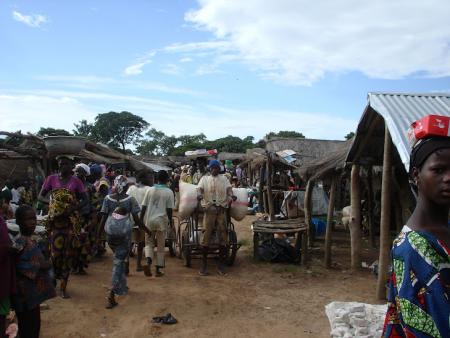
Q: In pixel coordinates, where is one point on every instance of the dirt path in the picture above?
(254, 300)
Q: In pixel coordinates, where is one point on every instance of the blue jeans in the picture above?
(120, 253)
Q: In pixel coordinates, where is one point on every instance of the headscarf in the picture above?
(424, 148)
(120, 182)
(83, 166)
(95, 169)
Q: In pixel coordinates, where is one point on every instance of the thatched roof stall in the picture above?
(330, 165)
(224, 156)
(307, 150)
(381, 138)
(31, 148)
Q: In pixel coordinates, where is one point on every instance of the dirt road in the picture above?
(253, 300)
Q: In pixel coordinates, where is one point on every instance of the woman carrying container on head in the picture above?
(67, 197)
(419, 304)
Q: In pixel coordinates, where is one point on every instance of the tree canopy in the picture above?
(349, 135)
(286, 134)
(114, 129)
(84, 129)
(52, 132)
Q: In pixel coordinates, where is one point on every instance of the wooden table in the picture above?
(296, 227)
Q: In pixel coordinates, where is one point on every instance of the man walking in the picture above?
(144, 180)
(156, 214)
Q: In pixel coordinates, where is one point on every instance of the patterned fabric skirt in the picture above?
(62, 252)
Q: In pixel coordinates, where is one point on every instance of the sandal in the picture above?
(111, 302)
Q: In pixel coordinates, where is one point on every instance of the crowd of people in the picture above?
(86, 208)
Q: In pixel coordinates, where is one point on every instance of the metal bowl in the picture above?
(64, 145)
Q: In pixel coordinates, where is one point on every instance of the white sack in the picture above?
(238, 209)
(188, 200)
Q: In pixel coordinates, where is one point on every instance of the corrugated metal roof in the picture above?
(399, 110)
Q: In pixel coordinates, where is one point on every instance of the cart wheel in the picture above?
(186, 253)
(179, 244)
(171, 244)
(232, 248)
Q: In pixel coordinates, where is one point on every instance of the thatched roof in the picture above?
(308, 150)
(328, 166)
(32, 147)
(223, 156)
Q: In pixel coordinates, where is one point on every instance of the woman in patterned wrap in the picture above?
(418, 301)
(67, 196)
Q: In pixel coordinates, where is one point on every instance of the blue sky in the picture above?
(215, 66)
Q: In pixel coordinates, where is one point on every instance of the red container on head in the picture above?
(431, 125)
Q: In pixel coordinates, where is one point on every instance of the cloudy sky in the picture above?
(217, 66)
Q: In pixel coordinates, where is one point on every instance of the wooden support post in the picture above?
(269, 188)
(304, 240)
(370, 204)
(262, 205)
(330, 215)
(355, 219)
(385, 216)
(249, 174)
(308, 211)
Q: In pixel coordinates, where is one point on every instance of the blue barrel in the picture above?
(319, 225)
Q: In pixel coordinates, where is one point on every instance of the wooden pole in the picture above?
(370, 219)
(385, 216)
(330, 214)
(355, 219)
(262, 205)
(308, 211)
(269, 188)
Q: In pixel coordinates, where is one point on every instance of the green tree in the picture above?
(349, 135)
(52, 132)
(157, 143)
(285, 133)
(118, 129)
(232, 144)
(84, 129)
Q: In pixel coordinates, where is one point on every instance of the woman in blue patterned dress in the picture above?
(418, 301)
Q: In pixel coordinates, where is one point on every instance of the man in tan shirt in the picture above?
(215, 193)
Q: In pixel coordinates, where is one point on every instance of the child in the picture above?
(34, 283)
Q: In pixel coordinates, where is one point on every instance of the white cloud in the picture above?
(171, 69)
(33, 20)
(101, 83)
(29, 110)
(299, 41)
(185, 60)
(136, 68)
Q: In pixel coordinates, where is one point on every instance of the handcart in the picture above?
(190, 233)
